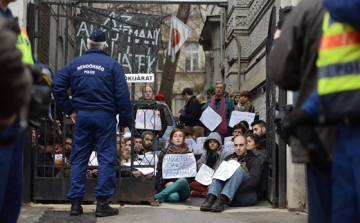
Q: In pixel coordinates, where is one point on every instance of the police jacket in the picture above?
(97, 83)
(192, 113)
(255, 168)
(292, 64)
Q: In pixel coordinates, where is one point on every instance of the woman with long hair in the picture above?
(173, 190)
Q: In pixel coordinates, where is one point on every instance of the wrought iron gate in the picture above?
(56, 40)
(277, 162)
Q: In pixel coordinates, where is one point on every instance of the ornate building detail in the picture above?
(253, 13)
(243, 2)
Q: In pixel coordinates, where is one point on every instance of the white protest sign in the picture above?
(178, 166)
(204, 175)
(238, 116)
(198, 149)
(93, 159)
(226, 170)
(58, 156)
(143, 170)
(148, 119)
(139, 78)
(229, 146)
(201, 140)
(228, 139)
(210, 119)
(191, 143)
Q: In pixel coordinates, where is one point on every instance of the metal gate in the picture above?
(57, 28)
(275, 98)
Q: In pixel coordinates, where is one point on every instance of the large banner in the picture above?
(133, 38)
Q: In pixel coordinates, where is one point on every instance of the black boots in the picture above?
(103, 209)
(76, 208)
(210, 200)
(218, 206)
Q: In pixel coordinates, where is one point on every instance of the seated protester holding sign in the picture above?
(212, 158)
(173, 190)
(240, 189)
(256, 145)
(148, 93)
(245, 104)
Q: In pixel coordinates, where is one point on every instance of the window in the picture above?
(192, 57)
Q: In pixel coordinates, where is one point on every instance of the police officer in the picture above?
(15, 89)
(99, 93)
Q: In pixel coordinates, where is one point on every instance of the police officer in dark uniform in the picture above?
(99, 93)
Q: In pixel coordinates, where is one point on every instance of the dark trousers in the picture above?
(93, 128)
(319, 197)
(11, 177)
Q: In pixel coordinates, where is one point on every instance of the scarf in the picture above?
(173, 150)
(222, 113)
(244, 107)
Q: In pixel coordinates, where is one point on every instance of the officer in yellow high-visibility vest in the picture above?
(338, 100)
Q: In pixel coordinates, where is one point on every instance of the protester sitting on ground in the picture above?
(240, 188)
(139, 142)
(189, 132)
(256, 145)
(173, 190)
(127, 148)
(236, 97)
(259, 128)
(45, 159)
(212, 158)
(245, 104)
(239, 129)
(246, 125)
(68, 147)
(148, 139)
(199, 132)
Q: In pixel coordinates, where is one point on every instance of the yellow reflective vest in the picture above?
(23, 44)
(339, 69)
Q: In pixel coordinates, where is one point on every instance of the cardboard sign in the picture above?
(238, 116)
(210, 119)
(148, 119)
(178, 166)
(204, 175)
(226, 170)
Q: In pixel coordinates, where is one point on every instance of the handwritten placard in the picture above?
(210, 118)
(238, 116)
(178, 166)
(58, 156)
(148, 119)
(143, 170)
(229, 146)
(226, 170)
(204, 175)
(201, 140)
(228, 139)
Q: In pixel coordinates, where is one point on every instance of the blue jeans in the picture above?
(11, 159)
(319, 197)
(178, 191)
(93, 128)
(230, 186)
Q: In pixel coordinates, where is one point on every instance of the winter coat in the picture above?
(263, 155)
(292, 64)
(221, 153)
(97, 83)
(162, 182)
(192, 113)
(229, 108)
(254, 166)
